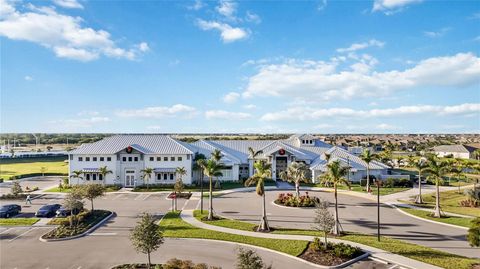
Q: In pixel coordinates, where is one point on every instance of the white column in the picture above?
(250, 168)
(274, 168)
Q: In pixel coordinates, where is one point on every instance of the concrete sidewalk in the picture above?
(188, 217)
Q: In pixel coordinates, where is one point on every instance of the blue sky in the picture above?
(380, 66)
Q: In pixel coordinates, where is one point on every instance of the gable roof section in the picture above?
(453, 148)
(148, 144)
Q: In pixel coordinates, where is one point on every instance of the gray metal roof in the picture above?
(148, 144)
(453, 148)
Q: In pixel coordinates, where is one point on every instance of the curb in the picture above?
(91, 229)
(427, 220)
(361, 257)
(293, 207)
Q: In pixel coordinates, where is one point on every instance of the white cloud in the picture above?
(439, 33)
(227, 32)
(322, 5)
(63, 34)
(231, 97)
(392, 6)
(226, 115)
(385, 126)
(227, 9)
(178, 110)
(306, 113)
(28, 78)
(250, 106)
(361, 46)
(307, 80)
(80, 123)
(143, 47)
(68, 3)
(252, 17)
(197, 5)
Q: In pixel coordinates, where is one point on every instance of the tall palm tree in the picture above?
(263, 172)
(146, 176)
(216, 155)
(296, 172)
(211, 169)
(77, 174)
(199, 164)
(335, 175)
(253, 154)
(180, 171)
(368, 157)
(104, 172)
(419, 165)
(436, 170)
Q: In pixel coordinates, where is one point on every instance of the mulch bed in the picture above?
(183, 195)
(322, 257)
(255, 230)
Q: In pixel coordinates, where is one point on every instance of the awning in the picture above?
(164, 170)
(90, 170)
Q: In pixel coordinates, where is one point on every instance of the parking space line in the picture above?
(22, 234)
(184, 205)
(6, 230)
(116, 197)
(138, 197)
(145, 198)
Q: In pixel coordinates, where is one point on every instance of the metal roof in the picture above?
(453, 148)
(148, 144)
(164, 170)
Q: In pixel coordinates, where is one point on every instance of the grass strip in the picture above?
(174, 226)
(464, 222)
(409, 250)
(18, 221)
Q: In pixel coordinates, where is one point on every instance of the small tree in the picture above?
(16, 188)
(147, 175)
(249, 259)
(76, 174)
(92, 191)
(43, 169)
(73, 201)
(147, 236)
(296, 172)
(324, 220)
(473, 235)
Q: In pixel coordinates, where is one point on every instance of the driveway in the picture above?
(356, 214)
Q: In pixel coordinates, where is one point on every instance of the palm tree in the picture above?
(263, 172)
(180, 172)
(253, 154)
(216, 155)
(419, 165)
(436, 170)
(336, 176)
(211, 168)
(103, 171)
(296, 172)
(77, 174)
(147, 175)
(199, 164)
(457, 170)
(368, 157)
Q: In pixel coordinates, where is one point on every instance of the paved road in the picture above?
(356, 214)
(109, 245)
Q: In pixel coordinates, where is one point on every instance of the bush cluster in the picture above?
(287, 199)
(186, 264)
(340, 250)
(397, 182)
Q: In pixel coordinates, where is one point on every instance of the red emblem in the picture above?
(281, 152)
(129, 149)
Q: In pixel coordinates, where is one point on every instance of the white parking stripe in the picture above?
(116, 197)
(184, 205)
(145, 198)
(6, 230)
(138, 197)
(21, 234)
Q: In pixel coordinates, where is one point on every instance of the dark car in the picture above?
(47, 210)
(63, 212)
(6, 211)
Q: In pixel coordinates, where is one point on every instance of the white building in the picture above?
(455, 151)
(127, 155)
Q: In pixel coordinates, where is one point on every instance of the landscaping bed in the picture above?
(10, 196)
(183, 195)
(18, 221)
(170, 264)
(332, 255)
(86, 220)
(288, 199)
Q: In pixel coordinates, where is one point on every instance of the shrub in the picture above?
(185, 264)
(473, 235)
(249, 259)
(287, 199)
(16, 189)
(340, 250)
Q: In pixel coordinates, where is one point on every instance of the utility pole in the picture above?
(378, 210)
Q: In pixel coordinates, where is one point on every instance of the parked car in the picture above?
(48, 210)
(6, 211)
(63, 212)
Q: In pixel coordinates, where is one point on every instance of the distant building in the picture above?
(456, 151)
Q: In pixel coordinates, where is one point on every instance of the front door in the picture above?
(129, 178)
(281, 165)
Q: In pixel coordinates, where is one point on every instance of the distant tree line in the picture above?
(27, 138)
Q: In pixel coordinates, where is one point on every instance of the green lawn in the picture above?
(449, 202)
(465, 222)
(358, 188)
(67, 190)
(18, 221)
(18, 167)
(174, 226)
(413, 251)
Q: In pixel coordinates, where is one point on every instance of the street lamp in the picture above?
(379, 183)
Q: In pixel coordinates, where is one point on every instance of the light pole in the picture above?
(378, 210)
